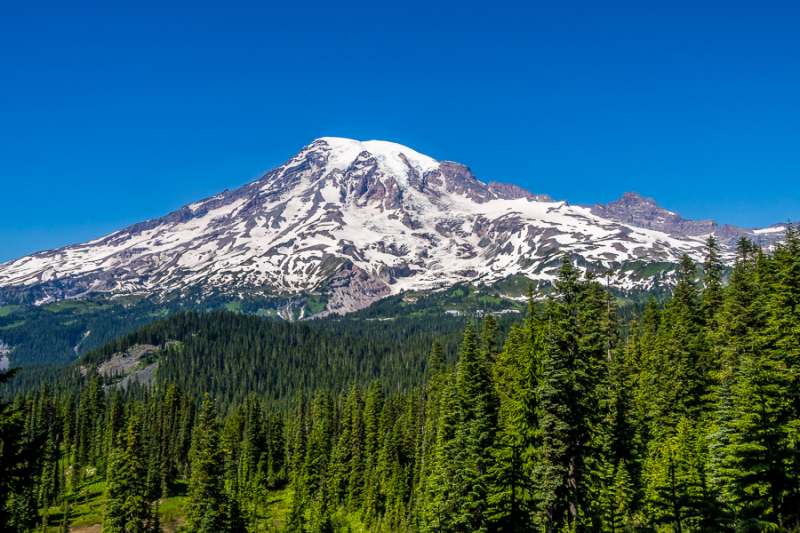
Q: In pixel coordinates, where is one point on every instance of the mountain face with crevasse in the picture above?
(357, 221)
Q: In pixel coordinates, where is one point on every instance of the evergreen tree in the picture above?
(437, 361)
(755, 454)
(573, 365)
(127, 507)
(206, 509)
(18, 465)
(712, 282)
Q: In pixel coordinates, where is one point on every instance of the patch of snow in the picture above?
(771, 229)
(279, 237)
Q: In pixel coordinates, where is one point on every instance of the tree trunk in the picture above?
(572, 485)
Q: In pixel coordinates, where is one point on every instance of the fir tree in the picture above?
(127, 507)
(712, 281)
(573, 365)
(18, 453)
(207, 501)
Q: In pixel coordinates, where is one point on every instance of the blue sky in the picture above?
(116, 112)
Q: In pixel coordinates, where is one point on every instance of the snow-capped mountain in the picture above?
(359, 221)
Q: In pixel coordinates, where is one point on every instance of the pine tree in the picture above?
(65, 517)
(127, 507)
(374, 411)
(277, 451)
(18, 453)
(437, 361)
(467, 435)
(712, 281)
(517, 376)
(572, 368)
(442, 501)
(754, 456)
(154, 524)
(207, 501)
(317, 461)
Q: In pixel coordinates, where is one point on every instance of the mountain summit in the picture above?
(357, 221)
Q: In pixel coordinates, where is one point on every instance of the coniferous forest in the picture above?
(684, 418)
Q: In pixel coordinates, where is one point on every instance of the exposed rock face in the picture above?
(145, 376)
(642, 212)
(509, 191)
(728, 234)
(5, 363)
(121, 364)
(352, 289)
(361, 220)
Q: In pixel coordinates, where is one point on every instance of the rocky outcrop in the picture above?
(509, 191)
(144, 376)
(120, 364)
(352, 289)
(643, 212)
(5, 349)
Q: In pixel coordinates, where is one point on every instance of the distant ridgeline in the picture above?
(685, 421)
(234, 354)
(45, 338)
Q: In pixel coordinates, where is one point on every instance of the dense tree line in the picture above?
(232, 355)
(43, 336)
(54, 335)
(689, 422)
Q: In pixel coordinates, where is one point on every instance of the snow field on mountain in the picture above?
(331, 201)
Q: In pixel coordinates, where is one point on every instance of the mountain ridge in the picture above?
(633, 208)
(358, 221)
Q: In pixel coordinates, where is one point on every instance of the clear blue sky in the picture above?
(116, 112)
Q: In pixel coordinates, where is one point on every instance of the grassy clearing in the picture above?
(8, 309)
(279, 505)
(316, 304)
(86, 509)
(235, 305)
(81, 306)
(87, 505)
(171, 510)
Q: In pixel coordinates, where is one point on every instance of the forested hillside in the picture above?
(683, 420)
(232, 355)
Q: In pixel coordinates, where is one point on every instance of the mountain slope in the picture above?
(642, 212)
(355, 221)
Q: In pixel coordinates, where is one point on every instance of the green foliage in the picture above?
(207, 510)
(683, 419)
(127, 507)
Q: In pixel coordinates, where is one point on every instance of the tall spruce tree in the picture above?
(18, 453)
(712, 280)
(127, 507)
(207, 507)
(572, 368)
